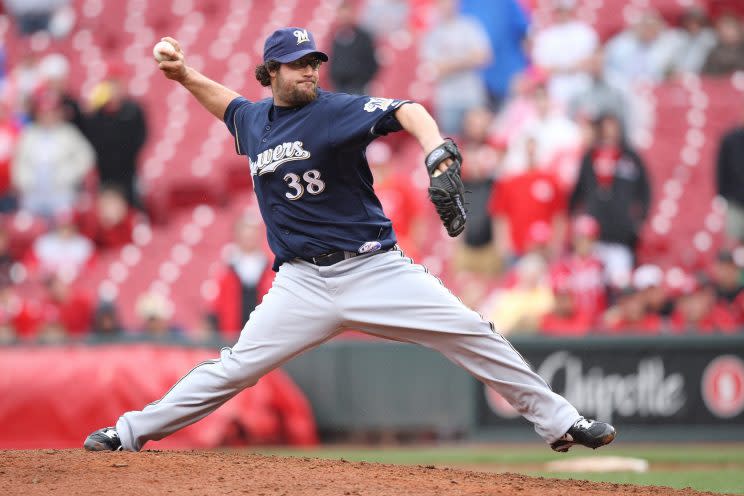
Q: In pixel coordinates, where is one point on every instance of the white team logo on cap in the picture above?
(301, 36)
(375, 103)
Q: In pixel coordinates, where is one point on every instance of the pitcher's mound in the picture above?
(62, 472)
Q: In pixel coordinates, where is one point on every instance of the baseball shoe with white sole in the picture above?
(106, 439)
(589, 433)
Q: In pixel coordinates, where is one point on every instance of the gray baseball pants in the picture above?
(382, 294)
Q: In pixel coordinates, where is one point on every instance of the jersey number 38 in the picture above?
(313, 184)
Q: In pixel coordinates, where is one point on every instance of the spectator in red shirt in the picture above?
(698, 311)
(67, 309)
(111, 220)
(525, 199)
(244, 280)
(19, 318)
(566, 318)
(402, 204)
(582, 270)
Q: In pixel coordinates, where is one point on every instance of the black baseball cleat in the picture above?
(106, 439)
(589, 433)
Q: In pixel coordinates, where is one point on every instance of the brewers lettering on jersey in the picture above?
(310, 174)
(337, 262)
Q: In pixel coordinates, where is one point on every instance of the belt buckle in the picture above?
(321, 260)
(333, 257)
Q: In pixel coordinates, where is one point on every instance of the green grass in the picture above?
(719, 481)
(714, 467)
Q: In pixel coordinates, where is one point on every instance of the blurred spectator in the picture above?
(62, 250)
(476, 249)
(51, 160)
(730, 180)
(383, 17)
(697, 311)
(37, 15)
(472, 287)
(521, 107)
(19, 318)
(353, 62)
(9, 131)
(403, 204)
(66, 308)
(51, 333)
(523, 200)
(696, 40)
(156, 311)
(207, 332)
(23, 80)
(644, 52)
(600, 97)
(521, 307)
(3, 63)
(541, 241)
(543, 130)
(117, 130)
(506, 24)
(245, 279)
(648, 280)
(728, 54)
(581, 272)
(6, 258)
(613, 187)
(566, 318)
(7, 334)
(456, 48)
(726, 277)
(111, 221)
(630, 315)
(54, 71)
(106, 324)
(563, 49)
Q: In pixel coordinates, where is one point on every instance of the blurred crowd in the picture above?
(545, 113)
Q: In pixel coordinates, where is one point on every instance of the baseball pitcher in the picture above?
(336, 257)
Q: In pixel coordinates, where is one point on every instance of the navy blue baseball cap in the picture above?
(289, 44)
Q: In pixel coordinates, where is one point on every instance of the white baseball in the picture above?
(163, 50)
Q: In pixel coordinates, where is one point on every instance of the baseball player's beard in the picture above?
(296, 94)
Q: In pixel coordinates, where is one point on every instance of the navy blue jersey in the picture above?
(310, 172)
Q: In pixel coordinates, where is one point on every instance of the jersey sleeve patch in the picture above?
(375, 103)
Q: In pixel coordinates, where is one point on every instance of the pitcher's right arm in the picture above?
(211, 95)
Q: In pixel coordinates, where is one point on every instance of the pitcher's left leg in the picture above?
(400, 300)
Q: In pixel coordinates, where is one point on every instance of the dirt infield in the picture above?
(63, 472)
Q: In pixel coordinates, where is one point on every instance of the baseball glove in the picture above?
(446, 190)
